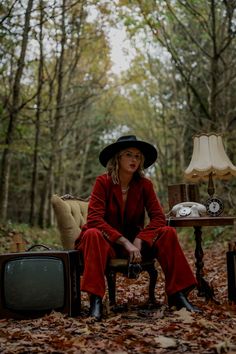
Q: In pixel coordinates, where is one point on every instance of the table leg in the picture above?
(204, 289)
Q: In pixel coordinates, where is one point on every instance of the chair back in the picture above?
(71, 214)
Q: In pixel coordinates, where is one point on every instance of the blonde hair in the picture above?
(113, 167)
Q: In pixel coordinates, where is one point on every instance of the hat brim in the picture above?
(148, 150)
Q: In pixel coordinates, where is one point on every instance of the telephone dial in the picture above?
(191, 209)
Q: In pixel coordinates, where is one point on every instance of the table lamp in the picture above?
(210, 161)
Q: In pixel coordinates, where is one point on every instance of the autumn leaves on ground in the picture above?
(138, 328)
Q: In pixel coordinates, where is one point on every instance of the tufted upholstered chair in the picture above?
(71, 214)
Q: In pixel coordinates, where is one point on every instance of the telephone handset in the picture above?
(191, 209)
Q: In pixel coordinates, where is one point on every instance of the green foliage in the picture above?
(32, 236)
(210, 236)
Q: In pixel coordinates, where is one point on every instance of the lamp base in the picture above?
(211, 187)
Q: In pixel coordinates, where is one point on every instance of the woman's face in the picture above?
(129, 160)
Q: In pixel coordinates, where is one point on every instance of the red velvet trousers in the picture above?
(166, 249)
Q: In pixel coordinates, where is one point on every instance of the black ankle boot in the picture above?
(179, 301)
(95, 307)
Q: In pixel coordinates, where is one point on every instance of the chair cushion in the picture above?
(71, 215)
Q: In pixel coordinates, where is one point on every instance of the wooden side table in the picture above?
(204, 289)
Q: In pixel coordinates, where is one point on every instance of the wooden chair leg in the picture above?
(111, 282)
(152, 283)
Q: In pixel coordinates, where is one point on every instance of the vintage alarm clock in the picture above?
(214, 206)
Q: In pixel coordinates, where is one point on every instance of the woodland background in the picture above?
(60, 102)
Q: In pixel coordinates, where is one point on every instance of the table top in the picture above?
(201, 221)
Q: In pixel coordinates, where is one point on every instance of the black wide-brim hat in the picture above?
(124, 142)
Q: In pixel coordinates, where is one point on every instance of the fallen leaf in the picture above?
(166, 342)
(224, 347)
(184, 315)
(207, 324)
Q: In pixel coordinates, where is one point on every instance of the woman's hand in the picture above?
(133, 251)
(138, 243)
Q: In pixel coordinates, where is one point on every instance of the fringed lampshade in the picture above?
(209, 160)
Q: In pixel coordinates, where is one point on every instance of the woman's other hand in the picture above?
(133, 250)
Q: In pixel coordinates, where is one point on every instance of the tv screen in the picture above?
(34, 283)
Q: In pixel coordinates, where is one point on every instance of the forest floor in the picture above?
(139, 328)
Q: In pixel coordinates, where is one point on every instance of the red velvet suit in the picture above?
(108, 220)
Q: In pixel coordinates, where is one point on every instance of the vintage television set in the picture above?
(35, 283)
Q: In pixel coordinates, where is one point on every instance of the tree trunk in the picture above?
(45, 205)
(37, 122)
(13, 114)
(213, 69)
(83, 166)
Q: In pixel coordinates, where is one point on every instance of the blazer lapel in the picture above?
(116, 198)
(133, 199)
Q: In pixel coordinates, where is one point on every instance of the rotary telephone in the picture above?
(191, 209)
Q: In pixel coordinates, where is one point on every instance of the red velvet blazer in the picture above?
(106, 211)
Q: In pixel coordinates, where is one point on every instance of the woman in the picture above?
(116, 223)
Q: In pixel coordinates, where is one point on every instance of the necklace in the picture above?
(124, 190)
